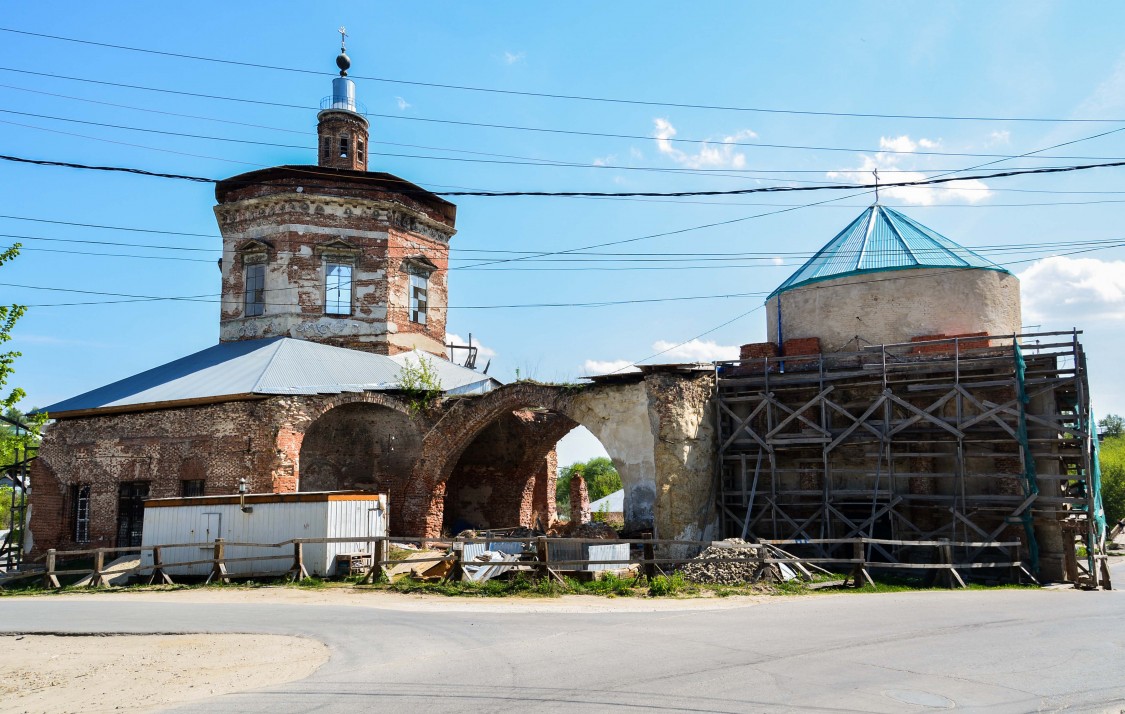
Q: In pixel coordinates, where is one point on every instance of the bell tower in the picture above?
(335, 253)
(341, 130)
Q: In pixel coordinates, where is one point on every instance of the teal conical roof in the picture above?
(881, 239)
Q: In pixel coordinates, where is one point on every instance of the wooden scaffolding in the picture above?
(980, 439)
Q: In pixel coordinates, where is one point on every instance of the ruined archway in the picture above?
(360, 446)
(532, 418)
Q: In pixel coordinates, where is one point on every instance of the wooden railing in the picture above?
(536, 558)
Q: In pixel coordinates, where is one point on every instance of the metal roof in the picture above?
(882, 239)
(278, 365)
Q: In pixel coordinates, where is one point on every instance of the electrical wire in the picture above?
(567, 194)
(570, 97)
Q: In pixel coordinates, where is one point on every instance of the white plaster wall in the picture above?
(618, 416)
(894, 306)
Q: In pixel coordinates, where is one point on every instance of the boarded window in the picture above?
(338, 289)
(419, 302)
(255, 290)
(191, 487)
(80, 512)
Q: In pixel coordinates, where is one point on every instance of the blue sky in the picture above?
(998, 59)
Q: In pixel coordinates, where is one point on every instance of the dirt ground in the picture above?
(46, 673)
(347, 597)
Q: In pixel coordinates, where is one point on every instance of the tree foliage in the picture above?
(11, 438)
(601, 477)
(1112, 425)
(420, 382)
(1112, 458)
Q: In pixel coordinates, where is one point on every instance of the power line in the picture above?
(561, 163)
(570, 194)
(570, 97)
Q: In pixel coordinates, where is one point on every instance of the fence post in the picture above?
(649, 564)
(50, 580)
(298, 571)
(384, 553)
(218, 567)
(860, 569)
(96, 579)
(158, 568)
(762, 568)
(543, 555)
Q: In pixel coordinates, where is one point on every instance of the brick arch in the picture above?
(463, 421)
(285, 473)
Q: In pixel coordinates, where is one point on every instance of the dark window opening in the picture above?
(131, 513)
(255, 290)
(359, 151)
(326, 148)
(191, 487)
(345, 144)
(419, 288)
(80, 512)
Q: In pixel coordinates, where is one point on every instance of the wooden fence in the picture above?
(536, 558)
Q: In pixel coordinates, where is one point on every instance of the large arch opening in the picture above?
(362, 447)
(505, 477)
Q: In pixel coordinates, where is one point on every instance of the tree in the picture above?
(420, 382)
(601, 477)
(1112, 425)
(1112, 459)
(12, 438)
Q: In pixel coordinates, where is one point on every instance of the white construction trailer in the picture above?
(193, 525)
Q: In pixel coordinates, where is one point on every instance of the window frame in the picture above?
(344, 145)
(335, 308)
(80, 512)
(197, 487)
(419, 306)
(252, 307)
(360, 154)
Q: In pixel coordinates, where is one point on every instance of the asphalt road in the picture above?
(995, 651)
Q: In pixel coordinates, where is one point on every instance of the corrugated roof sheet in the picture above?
(881, 238)
(278, 365)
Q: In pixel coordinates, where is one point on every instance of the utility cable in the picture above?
(570, 97)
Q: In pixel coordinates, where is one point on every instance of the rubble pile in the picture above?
(593, 529)
(699, 570)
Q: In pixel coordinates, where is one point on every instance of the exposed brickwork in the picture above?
(257, 440)
(948, 347)
(801, 346)
(579, 500)
(757, 350)
(296, 223)
(342, 140)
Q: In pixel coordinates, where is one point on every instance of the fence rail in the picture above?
(536, 558)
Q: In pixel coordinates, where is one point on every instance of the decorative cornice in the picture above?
(395, 213)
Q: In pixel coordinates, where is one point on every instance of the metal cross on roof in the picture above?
(343, 36)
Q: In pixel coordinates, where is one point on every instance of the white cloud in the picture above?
(605, 160)
(593, 367)
(972, 191)
(514, 57)
(999, 137)
(712, 154)
(483, 353)
(636, 153)
(695, 351)
(777, 260)
(403, 105)
(1066, 292)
